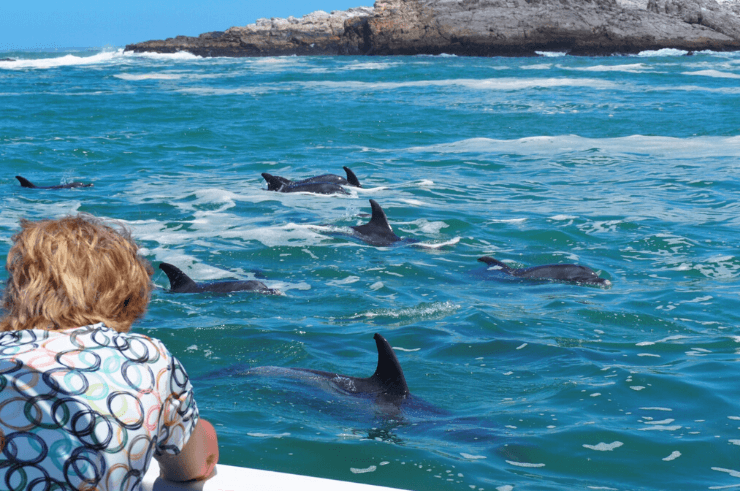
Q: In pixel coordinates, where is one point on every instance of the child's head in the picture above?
(73, 272)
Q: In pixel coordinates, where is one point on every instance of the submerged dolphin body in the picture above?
(378, 231)
(323, 184)
(557, 272)
(182, 283)
(25, 183)
(387, 383)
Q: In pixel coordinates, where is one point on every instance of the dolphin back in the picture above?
(351, 177)
(495, 262)
(275, 183)
(179, 281)
(388, 374)
(563, 272)
(377, 231)
(25, 183)
(72, 185)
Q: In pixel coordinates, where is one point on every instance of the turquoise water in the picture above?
(629, 165)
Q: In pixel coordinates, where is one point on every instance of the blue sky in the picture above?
(86, 23)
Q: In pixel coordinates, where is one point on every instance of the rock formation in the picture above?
(478, 28)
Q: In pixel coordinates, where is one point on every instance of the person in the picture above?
(84, 403)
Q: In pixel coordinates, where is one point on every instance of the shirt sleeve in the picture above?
(179, 410)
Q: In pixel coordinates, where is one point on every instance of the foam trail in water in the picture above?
(706, 146)
(97, 59)
(475, 84)
(713, 73)
(663, 52)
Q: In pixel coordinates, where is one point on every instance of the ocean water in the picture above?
(629, 165)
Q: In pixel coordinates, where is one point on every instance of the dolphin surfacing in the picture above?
(378, 232)
(182, 283)
(387, 383)
(574, 273)
(323, 184)
(25, 183)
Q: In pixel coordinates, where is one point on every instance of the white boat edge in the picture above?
(230, 478)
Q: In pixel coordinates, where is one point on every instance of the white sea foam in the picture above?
(426, 310)
(369, 66)
(551, 54)
(503, 84)
(472, 457)
(208, 91)
(538, 66)
(516, 221)
(713, 73)
(117, 57)
(437, 245)
(414, 202)
(661, 428)
(426, 227)
(105, 57)
(707, 146)
(346, 281)
(563, 217)
(524, 464)
(673, 456)
(268, 435)
(731, 472)
(669, 338)
(604, 447)
(355, 470)
(135, 77)
(663, 52)
(180, 55)
(631, 68)
(662, 422)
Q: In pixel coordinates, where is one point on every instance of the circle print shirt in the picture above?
(86, 408)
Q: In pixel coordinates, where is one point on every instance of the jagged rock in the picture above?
(318, 33)
(478, 28)
(707, 13)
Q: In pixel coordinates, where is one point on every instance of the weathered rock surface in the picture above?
(318, 33)
(478, 28)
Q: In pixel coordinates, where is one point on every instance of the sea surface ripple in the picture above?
(629, 165)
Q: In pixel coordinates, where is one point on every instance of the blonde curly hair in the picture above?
(73, 272)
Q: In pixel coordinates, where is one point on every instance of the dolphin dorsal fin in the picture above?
(25, 182)
(389, 374)
(351, 177)
(274, 183)
(178, 279)
(495, 262)
(379, 219)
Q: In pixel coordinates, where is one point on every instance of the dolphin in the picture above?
(387, 383)
(351, 180)
(25, 183)
(182, 283)
(557, 272)
(378, 231)
(282, 185)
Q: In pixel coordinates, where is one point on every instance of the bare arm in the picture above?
(198, 458)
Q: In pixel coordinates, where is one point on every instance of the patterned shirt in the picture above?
(86, 408)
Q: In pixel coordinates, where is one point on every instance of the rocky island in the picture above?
(478, 28)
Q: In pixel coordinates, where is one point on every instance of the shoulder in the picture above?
(133, 346)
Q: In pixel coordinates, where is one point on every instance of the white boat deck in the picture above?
(230, 478)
